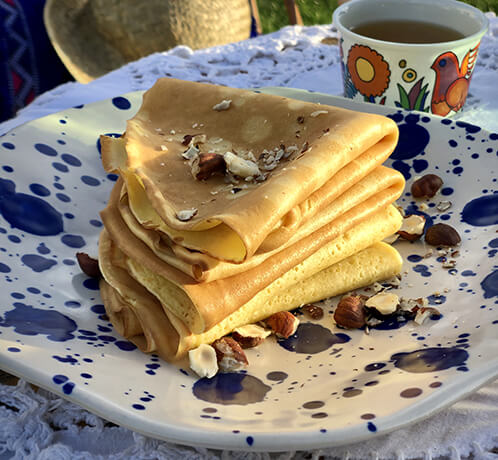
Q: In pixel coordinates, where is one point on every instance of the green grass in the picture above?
(274, 15)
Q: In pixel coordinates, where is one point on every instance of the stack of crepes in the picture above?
(186, 261)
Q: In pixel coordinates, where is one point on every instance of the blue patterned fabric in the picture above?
(29, 65)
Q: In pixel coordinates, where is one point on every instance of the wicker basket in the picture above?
(93, 37)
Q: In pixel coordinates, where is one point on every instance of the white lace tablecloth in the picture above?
(42, 425)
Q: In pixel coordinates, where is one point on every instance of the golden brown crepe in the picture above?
(202, 305)
(208, 302)
(157, 333)
(375, 191)
(334, 148)
(185, 261)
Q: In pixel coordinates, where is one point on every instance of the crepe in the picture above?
(330, 149)
(291, 211)
(157, 333)
(375, 191)
(202, 305)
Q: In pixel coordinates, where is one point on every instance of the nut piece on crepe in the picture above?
(186, 214)
(241, 167)
(223, 105)
(207, 164)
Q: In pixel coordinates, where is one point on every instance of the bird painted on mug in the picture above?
(452, 81)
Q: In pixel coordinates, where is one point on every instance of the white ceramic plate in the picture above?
(53, 331)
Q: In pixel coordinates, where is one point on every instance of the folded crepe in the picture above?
(322, 151)
(202, 304)
(375, 191)
(148, 318)
(185, 261)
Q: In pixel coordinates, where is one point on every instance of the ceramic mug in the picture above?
(429, 77)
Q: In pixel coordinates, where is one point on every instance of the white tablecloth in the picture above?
(42, 425)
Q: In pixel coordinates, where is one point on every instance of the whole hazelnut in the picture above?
(283, 324)
(442, 235)
(89, 266)
(350, 313)
(427, 186)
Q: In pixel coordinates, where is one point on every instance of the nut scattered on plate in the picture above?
(384, 302)
(412, 227)
(443, 206)
(229, 354)
(312, 311)
(359, 311)
(350, 313)
(89, 266)
(250, 336)
(427, 186)
(283, 324)
(442, 235)
(203, 361)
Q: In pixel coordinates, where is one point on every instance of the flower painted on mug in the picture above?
(452, 81)
(409, 75)
(415, 98)
(369, 71)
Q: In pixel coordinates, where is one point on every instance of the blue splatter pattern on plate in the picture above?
(321, 387)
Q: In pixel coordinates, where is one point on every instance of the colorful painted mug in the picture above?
(429, 77)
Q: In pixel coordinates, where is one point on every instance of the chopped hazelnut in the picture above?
(203, 361)
(186, 214)
(384, 302)
(250, 335)
(229, 354)
(412, 227)
(223, 105)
